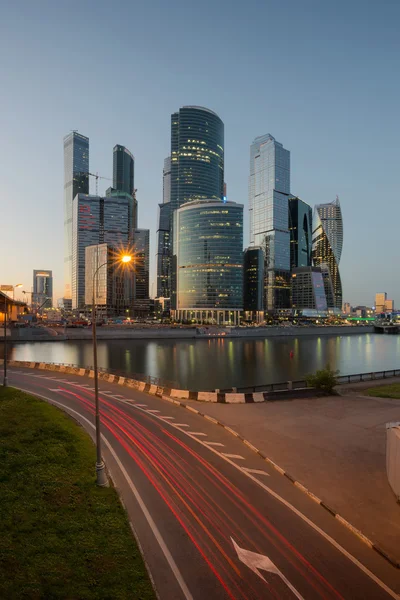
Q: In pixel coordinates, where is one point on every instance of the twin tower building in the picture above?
(292, 259)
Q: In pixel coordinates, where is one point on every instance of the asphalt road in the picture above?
(213, 519)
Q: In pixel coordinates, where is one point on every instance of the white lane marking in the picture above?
(214, 444)
(255, 471)
(167, 418)
(236, 456)
(256, 561)
(107, 393)
(292, 508)
(118, 396)
(197, 433)
(149, 518)
(151, 410)
(54, 390)
(141, 405)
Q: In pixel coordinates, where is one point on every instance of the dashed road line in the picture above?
(167, 418)
(237, 456)
(214, 444)
(255, 471)
(180, 424)
(141, 405)
(151, 410)
(197, 433)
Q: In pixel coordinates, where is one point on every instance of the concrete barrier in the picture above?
(393, 457)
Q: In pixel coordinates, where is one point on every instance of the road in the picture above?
(213, 519)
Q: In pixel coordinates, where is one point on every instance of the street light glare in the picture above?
(18, 285)
(126, 258)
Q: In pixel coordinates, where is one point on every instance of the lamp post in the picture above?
(5, 342)
(101, 477)
(18, 285)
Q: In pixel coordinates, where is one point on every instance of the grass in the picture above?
(60, 535)
(385, 391)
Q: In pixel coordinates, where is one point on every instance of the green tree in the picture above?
(324, 379)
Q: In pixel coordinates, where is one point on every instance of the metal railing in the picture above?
(301, 383)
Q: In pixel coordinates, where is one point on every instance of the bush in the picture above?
(324, 380)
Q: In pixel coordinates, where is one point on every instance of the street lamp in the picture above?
(101, 477)
(18, 285)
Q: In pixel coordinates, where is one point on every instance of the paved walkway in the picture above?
(335, 446)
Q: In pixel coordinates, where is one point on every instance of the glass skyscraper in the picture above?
(164, 235)
(141, 248)
(253, 283)
(208, 247)
(300, 227)
(327, 247)
(269, 190)
(76, 181)
(42, 291)
(123, 170)
(196, 172)
(96, 221)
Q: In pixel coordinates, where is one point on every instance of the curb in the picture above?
(154, 390)
(166, 394)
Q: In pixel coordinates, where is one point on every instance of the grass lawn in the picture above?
(60, 535)
(385, 391)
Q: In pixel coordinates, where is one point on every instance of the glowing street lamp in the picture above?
(101, 477)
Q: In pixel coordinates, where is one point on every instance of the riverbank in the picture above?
(170, 333)
(60, 535)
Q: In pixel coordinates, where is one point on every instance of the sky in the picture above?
(322, 78)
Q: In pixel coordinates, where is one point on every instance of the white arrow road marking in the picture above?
(258, 561)
(255, 471)
(232, 456)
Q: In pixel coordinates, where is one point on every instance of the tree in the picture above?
(323, 380)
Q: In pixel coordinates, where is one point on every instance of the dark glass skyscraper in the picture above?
(300, 227)
(196, 171)
(123, 170)
(253, 283)
(164, 235)
(76, 181)
(327, 246)
(208, 250)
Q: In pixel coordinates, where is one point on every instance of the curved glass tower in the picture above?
(208, 243)
(327, 246)
(123, 170)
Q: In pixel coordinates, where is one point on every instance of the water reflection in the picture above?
(222, 363)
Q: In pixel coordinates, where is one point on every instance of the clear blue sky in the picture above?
(323, 78)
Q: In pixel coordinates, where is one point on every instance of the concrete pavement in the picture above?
(335, 446)
(208, 511)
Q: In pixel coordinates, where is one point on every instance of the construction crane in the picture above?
(97, 177)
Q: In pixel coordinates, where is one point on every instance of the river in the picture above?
(224, 363)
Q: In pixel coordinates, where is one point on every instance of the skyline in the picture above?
(332, 120)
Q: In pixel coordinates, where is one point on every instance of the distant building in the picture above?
(327, 245)
(112, 284)
(389, 306)
(131, 199)
(162, 307)
(346, 308)
(269, 190)
(42, 291)
(253, 284)
(65, 304)
(380, 301)
(123, 170)
(97, 220)
(308, 291)
(300, 227)
(141, 248)
(208, 246)
(76, 181)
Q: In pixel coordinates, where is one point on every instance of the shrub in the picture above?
(324, 379)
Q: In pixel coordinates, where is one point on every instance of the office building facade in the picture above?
(300, 227)
(308, 289)
(42, 290)
(327, 245)
(208, 242)
(253, 284)
(97, 220)
(123, 170)
(112, 284)
(269, 190)
(380, 302)
(164, 241)
(141, 250)
(196, 172)
(76, 181)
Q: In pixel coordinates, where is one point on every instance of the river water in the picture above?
(224, 363)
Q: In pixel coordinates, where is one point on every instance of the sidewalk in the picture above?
(335, 446)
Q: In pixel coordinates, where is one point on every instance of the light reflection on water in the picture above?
(223, 363)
